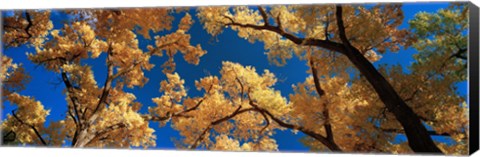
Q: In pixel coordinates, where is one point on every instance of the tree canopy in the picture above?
(347, 102)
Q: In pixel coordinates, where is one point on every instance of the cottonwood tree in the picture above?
(98, 115)
(429, 88)
(13, 81)
(237, 107)
(240, 109)
(356, 34)
(442, 43)
(28, 27)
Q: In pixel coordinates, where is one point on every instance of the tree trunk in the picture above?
(83, 139)
(86, 134)
(418, 138)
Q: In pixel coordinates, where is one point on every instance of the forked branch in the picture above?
(216, 122)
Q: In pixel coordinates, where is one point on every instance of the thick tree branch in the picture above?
(77, 119)
(321, 93)
(327, 125)
(84, 137)
(148, 117)
(329, 143)
(72, 116)
(125, 71)
(70, 88)
(332, 146)
(155, 118)
(74, 139)
(330, 45)
(108, 82)
(73, 99)
(417, 135)
(264, 15)
(29, 25)
(316, 80)
(459, 54)
(111, 76)
(279, 23)
(267, 121)
(341, 27)
(324, 140)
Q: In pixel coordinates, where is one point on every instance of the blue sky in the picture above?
(47, 87)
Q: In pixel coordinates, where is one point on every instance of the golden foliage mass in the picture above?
(240, 109)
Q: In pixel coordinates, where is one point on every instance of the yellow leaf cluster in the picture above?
(13, 76)
(69, 44)
(19, 30)
(233, 91)
(30, 112)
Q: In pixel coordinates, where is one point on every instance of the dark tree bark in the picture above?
(419, 139)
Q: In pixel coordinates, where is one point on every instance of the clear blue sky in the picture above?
(47, 87)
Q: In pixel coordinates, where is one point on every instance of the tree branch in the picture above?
(77, 119)
(216, 122)
(279, 23)
(241, 88)
(316, 80)
(108, 82)
(77, 127)
(459, 54)
(341, 26)
(178, 114)
(5, 138)
(327, 125)
(20, 39)
(99, 134)
(327, 23)
(199, 102)
(330, 45)
(417, 135)
(267, 122)
(70, 89)
(322, 139)
(248, 94)
(321, 93)
(264, 15)
(30, 24)
(73, 99)
(31, 126)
